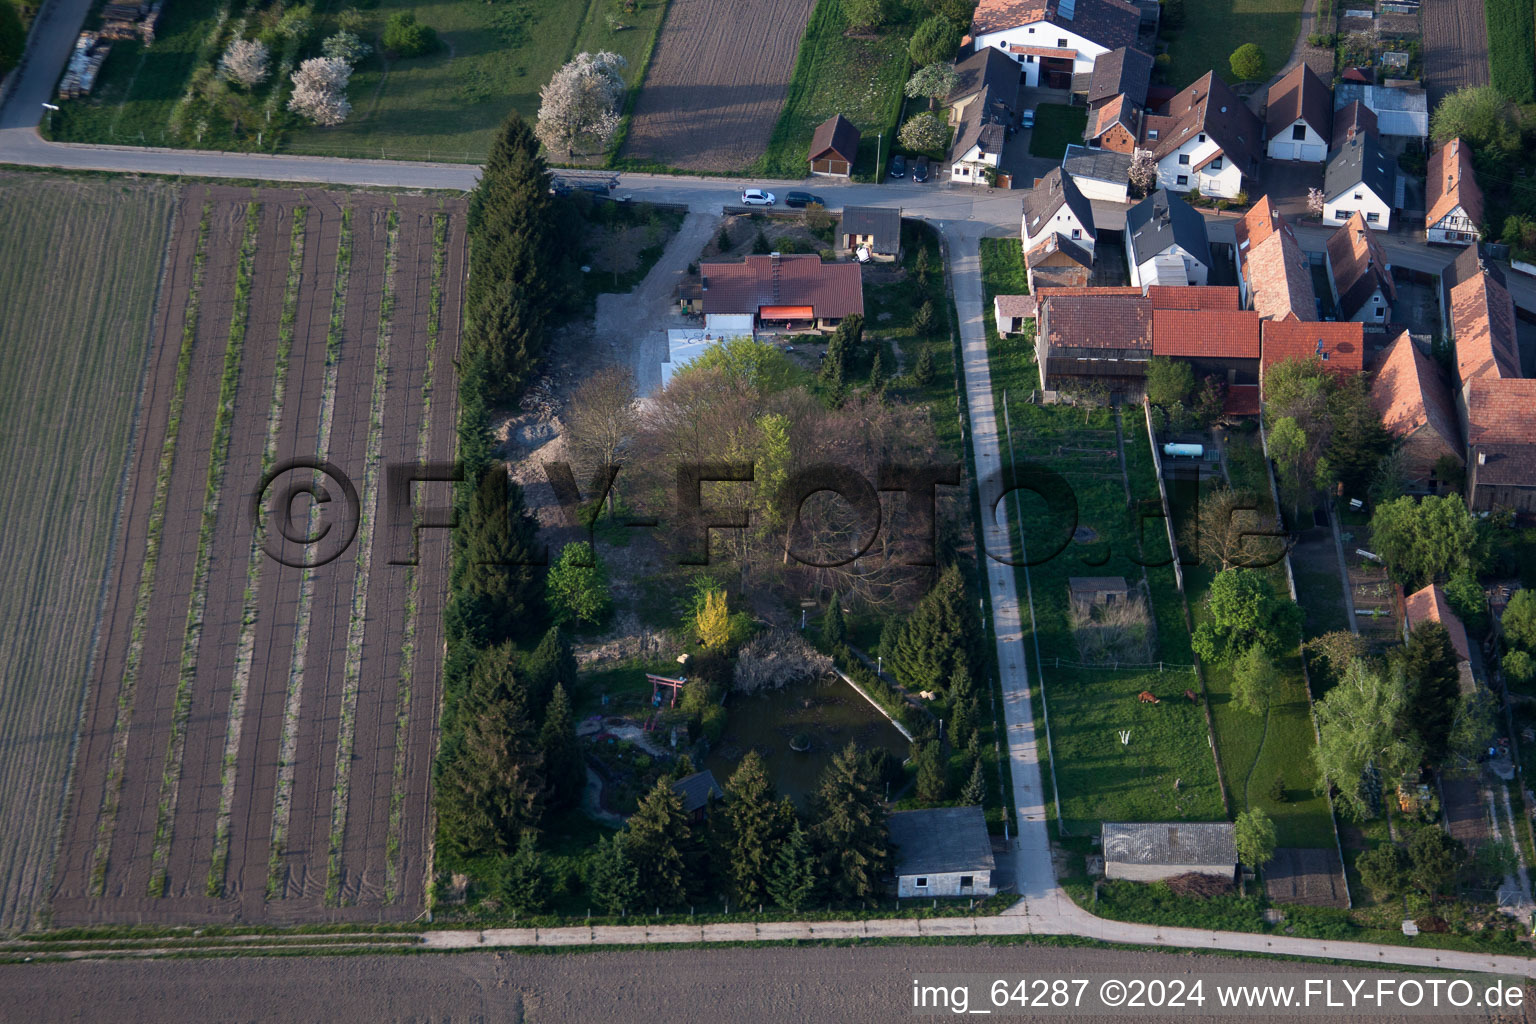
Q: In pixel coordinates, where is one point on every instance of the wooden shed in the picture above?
(834, 147)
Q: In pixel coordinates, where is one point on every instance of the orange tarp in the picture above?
(786, 312)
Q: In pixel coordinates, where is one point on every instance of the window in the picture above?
(1031, 31)
(1216, 164)
(1299, 133)
(1184, 159)
(1372, 218)
(1380, 312)
(1076, 234)
(1357, 195)
(1342, 214)
(1151, 133)
(1061, 43)
(922, 882)
(1182, 179)
(1202, 136)
(1029, 59)
(966, 881)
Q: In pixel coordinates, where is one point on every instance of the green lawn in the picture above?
(1002, 273)
(1212, 29)
(860, 78)
(1256, 750)
(1057, 126)
(1512, 48)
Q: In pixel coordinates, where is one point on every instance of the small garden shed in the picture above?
(834, 147)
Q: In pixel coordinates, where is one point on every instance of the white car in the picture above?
(757, 197)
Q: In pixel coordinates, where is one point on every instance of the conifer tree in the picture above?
(754, 824)
(834, 631)
(923, 372)
(850, 837)
(792, 876)
(614, 883)
(525, 878)
(877, 376)
(511, 288)
(932, 774)
(551, 662)
(939, 636)
(1429, 667)
(975, 791)
(490, 782)
(565, 770)
(658, 834)
(835, 363)
(497, 593)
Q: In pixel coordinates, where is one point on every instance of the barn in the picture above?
(834, 147)
(942, 851)
(1154, 851)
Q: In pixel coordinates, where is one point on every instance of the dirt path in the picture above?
(632, 327)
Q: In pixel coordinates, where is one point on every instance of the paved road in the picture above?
(964, 215)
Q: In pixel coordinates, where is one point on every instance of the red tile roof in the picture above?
(1088, 320)
(1050, 293)
(1299, 96)
(1202, 296)
(1501, 410)
(1350, 120)
(1208, 333)
(1450, 182)
(1359, 265)
(1408, 392)
(1110, 23)
(1210, 106)
(1279, 280)
(835, 135)
(1241, 400)
(1256, 225)
(832, 289)
(1014, 305)
(1430, 605)
(1342, 344)
(1483, 327)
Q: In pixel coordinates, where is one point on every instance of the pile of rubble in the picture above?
(127, 21)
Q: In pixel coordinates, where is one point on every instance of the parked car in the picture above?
(920, 169)
(757, 197)
(803, 199)
(898, 166)
(1027, 119)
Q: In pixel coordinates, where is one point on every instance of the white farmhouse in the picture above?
(1053, 39)
(1209, 140)
(1362, 179)
(1166, 242)
(1154, 851)
(1454, 201)
(1298, 117)
(980, 107)
(1058, 233)
(942, 851)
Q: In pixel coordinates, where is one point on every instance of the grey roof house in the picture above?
(942, 851)
(1099, 173)
(876, 228)
(1121, 70)
(1166, 242)
(1362, 177)
(696, 791)
(1151, 852)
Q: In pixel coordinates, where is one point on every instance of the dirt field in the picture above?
(839, 984)
(716, 83)
(1455, 46)
(259, 735)
(77, 286)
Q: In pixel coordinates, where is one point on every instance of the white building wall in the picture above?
(968, 169)
(1224, 183)
(1107, 191)
(1063, 222)
(1337, 209)
(1312, 149)
(1046, 34)
(1367, 312)
(1455, 228)
(1195, 272)
(1159, 872)
(946, 884)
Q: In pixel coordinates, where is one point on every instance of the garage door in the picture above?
(1283, 150)
(1313, 151)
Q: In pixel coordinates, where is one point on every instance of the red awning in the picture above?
(786, 312)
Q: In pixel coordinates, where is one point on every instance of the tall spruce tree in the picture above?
(490, 780)
(614, 883)
(1429, 665)
(659, 834)
(525, 877)
(851, 842)
(549, 664)
(939, 636)
(791, 880)
(834, 631)
(975, 791)
(932, 773)
(497, 591)
(565, 770)
(511, 288)
(754, 825)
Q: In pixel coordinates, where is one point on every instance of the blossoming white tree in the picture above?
(245, 62)
(320, 90)
(581, 102)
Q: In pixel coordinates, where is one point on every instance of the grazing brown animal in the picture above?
(1191, 695)
(1148, 697)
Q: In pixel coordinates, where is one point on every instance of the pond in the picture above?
(828, 714)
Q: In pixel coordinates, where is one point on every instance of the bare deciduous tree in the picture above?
(1143, 171)
(601, 419)
(320, 90)
(581, 101)
(245, 62)
(1229, 531)
(777, 659)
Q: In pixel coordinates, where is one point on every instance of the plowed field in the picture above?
(259, 732)
(716, 83)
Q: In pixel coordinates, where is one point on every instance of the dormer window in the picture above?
(1151, 133)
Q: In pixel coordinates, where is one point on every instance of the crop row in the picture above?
(112, 791)
(245, 648)
(1512, 48)
(288, 743)
(181, 705)
(352, 666)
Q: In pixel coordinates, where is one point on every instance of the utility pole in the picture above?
(879, 138)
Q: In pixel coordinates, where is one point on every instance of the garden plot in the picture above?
(259, 737)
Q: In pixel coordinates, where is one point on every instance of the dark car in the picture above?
(898, 166)
(920, 169)
(803, 199)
